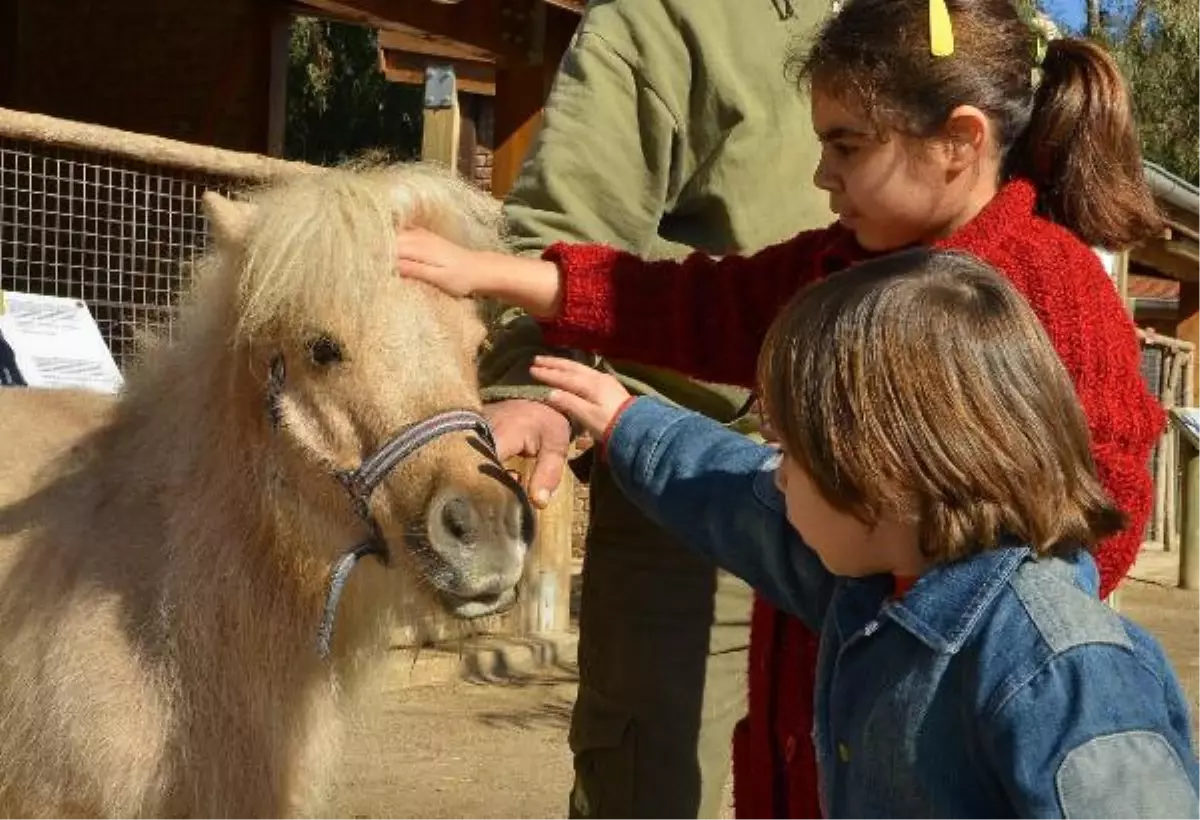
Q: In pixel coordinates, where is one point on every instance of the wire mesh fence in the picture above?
(108, 217)
(115, 233)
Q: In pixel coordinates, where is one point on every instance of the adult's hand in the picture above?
(523, 427)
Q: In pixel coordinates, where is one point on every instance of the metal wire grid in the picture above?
(116, 233)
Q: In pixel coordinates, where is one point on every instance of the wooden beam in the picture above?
(1121, 278)
(415, 41)
(520, 94)
(1177, 258)
(471, 77)
(468, 134)
(501, 27)
(440, 128)
(1180, 220)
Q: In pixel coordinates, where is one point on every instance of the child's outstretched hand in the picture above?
(592, 398)
(531, 284)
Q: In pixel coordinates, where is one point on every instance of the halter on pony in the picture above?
(361, 483)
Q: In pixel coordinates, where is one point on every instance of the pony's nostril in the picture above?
(460, 520)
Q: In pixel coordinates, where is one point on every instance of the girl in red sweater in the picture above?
(935, 130)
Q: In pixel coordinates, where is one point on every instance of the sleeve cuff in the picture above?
(602, 444)
(585, 273)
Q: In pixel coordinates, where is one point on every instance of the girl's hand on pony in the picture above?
(531, 284)
(592, 398)
(422, 254)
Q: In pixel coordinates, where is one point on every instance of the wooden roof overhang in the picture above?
(506, 49)
(1177, 252)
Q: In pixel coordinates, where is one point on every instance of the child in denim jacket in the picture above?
(930, 510)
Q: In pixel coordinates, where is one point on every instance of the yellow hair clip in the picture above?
(941, 35)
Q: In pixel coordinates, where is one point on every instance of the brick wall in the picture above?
(481, 173)
(485, 130)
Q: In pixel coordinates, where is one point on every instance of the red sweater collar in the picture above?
(1009, 211)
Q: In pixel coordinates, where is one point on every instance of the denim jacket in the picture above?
(997, 686)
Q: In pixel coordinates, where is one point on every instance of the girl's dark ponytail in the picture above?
(1081, 149)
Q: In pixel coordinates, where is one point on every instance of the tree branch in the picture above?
(1095, 29)
(1137, 23)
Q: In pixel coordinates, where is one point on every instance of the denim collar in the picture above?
(944, 605)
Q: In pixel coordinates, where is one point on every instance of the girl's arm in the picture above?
(703, 316)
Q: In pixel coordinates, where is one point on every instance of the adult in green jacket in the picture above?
(670, 127)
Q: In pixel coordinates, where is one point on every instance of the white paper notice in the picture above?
(57, 343)
(1108, 260)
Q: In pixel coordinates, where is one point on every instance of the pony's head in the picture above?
(341, 355)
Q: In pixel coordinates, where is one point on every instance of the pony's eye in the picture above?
(324, 351)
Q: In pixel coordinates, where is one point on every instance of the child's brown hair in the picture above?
(1073, 135)
(922, 386)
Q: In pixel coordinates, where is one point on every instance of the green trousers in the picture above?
(663, 647)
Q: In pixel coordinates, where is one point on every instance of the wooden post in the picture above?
(441, 128)
(546, 589)
(1189, 553)
(1121, 278)
(468, 137)
(280, 40)
(1188, 454)
(1188, 328)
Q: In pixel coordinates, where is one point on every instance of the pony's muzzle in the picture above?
(478, 545)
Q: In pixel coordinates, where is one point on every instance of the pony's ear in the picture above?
(228, 219)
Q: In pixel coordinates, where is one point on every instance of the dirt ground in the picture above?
(1150, 597)
(463, 749)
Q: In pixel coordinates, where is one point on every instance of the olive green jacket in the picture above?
(671, 126)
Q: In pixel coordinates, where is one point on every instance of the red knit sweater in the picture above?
(707, 318)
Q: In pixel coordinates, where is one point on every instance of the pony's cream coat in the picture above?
(164, 556)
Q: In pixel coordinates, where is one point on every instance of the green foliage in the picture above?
(1159, 54)
(1157, 43)
(339, 104)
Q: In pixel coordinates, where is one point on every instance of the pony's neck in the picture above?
(188, 416)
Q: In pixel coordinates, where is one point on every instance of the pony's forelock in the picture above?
(345, 220)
